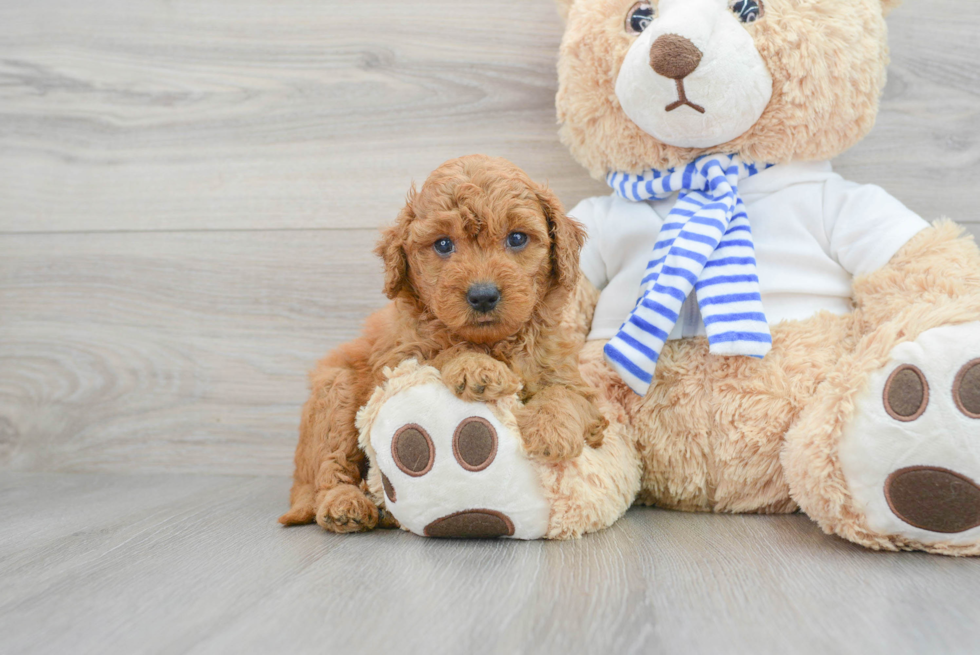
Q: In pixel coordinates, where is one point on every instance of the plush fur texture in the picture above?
(933, 281)
(715, 433)
(827, 61)
(585, 493)
(742, 435)
(476, 202)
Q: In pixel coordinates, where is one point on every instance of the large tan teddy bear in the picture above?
(765, 335)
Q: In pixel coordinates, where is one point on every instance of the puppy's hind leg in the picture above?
(302, 509)
(327, 486)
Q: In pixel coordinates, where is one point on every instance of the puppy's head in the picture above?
(482, 247)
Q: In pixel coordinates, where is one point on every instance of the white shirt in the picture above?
(813, 231)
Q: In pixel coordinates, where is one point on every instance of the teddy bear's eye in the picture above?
(639, 17)
(747, 11)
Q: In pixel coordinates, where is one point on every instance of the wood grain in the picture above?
(170, 351)
(245, 114)
(253, 114)
(189, 193)
(196, 564)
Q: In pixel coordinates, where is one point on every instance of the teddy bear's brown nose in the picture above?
(674, 56)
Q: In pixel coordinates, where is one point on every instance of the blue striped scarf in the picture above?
(706, 246)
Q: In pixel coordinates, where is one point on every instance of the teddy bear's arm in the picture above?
(898, 260)
(939, 264)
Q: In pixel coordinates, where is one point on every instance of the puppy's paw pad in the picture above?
(480, 378)
(346, 509)
(556, 451)
(546, 439)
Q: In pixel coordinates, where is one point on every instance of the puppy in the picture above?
(479, 266)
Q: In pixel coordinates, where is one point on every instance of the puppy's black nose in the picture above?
(483, 297)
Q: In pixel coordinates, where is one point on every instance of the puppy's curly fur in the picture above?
(476, 203)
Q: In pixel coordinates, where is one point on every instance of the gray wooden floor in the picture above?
(107, 563)
(189, 193)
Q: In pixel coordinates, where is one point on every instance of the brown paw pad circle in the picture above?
(934, 499)
(475, 443)
(906, 393)
(388, 487)
(472, 524)
(412, 450)
(966, 389)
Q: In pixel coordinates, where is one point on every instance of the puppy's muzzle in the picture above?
(483, 297)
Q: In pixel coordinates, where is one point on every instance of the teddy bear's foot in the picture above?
(911, 453)
(445, 467)
(452, 468)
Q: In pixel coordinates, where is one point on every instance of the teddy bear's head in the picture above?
(658, 83)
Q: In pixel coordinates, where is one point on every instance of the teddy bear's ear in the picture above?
(888, 5)
(391, 249)
(565, 5)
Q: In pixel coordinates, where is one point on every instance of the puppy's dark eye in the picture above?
(516, 240)
(444, 247)
(747, 11)
(639, 17)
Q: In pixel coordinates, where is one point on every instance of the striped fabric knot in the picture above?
(704, 246)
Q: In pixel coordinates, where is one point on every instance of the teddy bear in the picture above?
(764, 335)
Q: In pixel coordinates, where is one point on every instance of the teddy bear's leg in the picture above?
(887, 454)
(445, 467)
(710, 431)
(590, 492)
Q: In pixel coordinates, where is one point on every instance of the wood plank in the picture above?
(925, 149)
(184, 352)
(235, 114)
(202, 567)
(241, 114)
(171, 351)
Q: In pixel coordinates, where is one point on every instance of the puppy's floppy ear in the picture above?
(391, 248)
(567, 239)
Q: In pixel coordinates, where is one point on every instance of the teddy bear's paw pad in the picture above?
(472, 524)
(412, 450)
(911, 455)
(475, 444)
(452, 468)
(934, 499)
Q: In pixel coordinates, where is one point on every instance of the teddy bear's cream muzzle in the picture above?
(694, 78)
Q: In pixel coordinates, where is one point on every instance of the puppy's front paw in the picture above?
(596, 431)
(345, 508)
(481, 378)
(547, 437)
